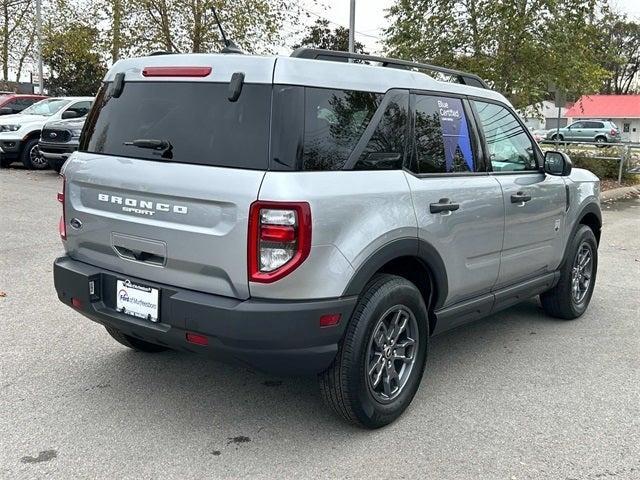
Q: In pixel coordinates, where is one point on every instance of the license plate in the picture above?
(137, 300)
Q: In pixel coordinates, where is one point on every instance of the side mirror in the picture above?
(69, 114)
(557, 163)
(6, 111)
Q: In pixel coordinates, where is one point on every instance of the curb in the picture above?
(618, 193)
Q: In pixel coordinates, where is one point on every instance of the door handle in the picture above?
(443, 205)
(520, 197)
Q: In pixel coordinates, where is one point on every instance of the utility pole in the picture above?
(39, 28)
(352, 26)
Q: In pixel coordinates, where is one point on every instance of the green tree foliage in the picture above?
(321, 35)
(518, 46)
(17, 32)
(620, 53)
(189, 25)
(75, 65)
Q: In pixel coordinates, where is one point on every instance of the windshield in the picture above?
(46, 107)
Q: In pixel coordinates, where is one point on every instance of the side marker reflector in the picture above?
(197, 339)
(330, 320)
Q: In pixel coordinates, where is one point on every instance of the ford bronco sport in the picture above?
(312, 215)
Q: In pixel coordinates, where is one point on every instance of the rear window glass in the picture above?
(192, 122)
(442, 140)
(334, 122)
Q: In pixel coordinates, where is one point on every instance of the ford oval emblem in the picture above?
(53, 134)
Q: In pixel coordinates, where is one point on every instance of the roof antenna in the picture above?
(229, 45)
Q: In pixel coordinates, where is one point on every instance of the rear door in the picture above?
(459, 206)
(535, 203)
(162, 186)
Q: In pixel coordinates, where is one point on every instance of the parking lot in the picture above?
(515, 396)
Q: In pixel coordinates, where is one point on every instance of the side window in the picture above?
(82, 108)
(441, 133)
(385, 148)
(577, 125)
(596, 125)
(510, 148)
(334, 121)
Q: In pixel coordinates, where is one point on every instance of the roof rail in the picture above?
(337, 56)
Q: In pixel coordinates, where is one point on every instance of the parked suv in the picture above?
(20, 133)
(597, 131)
(60, 139)
(315, 216)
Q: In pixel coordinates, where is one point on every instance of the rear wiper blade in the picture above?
(161, 147)
(150, 143)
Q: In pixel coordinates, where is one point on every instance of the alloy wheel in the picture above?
(581, 273)
(36, 158)
(391, 353)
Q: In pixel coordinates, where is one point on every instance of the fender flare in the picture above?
(588, 208)
(402, 247)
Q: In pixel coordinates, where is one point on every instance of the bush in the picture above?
(585, 157)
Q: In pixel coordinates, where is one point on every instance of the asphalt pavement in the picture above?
(515, 396)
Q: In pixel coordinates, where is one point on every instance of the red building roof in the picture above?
(605, 106)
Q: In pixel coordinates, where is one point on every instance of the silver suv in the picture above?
(309, 215)
(597, 131)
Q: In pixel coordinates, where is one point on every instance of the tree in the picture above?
(16, 33)
(517, 46)
(320, 35)
(620, 52)
(189, 26)
(76, 67)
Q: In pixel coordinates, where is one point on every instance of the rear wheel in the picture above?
(601, 141)
(31, 156)
(570, 298)
(380, 362)
(134, 343)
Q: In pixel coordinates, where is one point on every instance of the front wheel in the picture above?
(31, 156)
(380, 362)
(570, 298)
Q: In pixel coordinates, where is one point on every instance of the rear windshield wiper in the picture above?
(161, 146)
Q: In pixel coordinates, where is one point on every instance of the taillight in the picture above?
(62, 224)
(279, 239)
(613, 132)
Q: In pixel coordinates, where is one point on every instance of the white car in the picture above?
(20, 133)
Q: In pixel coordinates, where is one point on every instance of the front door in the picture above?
(535, 203)
(459, 206)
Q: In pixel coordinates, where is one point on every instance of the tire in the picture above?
(134, 343)
(569, 300)
(346, 386)
(557, 137)
(31, 157)
(601, 142)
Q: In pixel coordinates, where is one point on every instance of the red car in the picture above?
(16, 102)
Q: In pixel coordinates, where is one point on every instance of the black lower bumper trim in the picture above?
(281, 337)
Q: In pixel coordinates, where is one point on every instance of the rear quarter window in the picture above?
(196, 118)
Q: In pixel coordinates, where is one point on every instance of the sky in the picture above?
(371, 21)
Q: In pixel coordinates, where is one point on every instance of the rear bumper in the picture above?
(281, 337)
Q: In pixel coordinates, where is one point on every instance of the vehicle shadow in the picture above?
(185, 389)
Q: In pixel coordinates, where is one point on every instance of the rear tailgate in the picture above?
(183, 225)
(168, 169)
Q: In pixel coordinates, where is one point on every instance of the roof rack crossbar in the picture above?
(333, 55)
